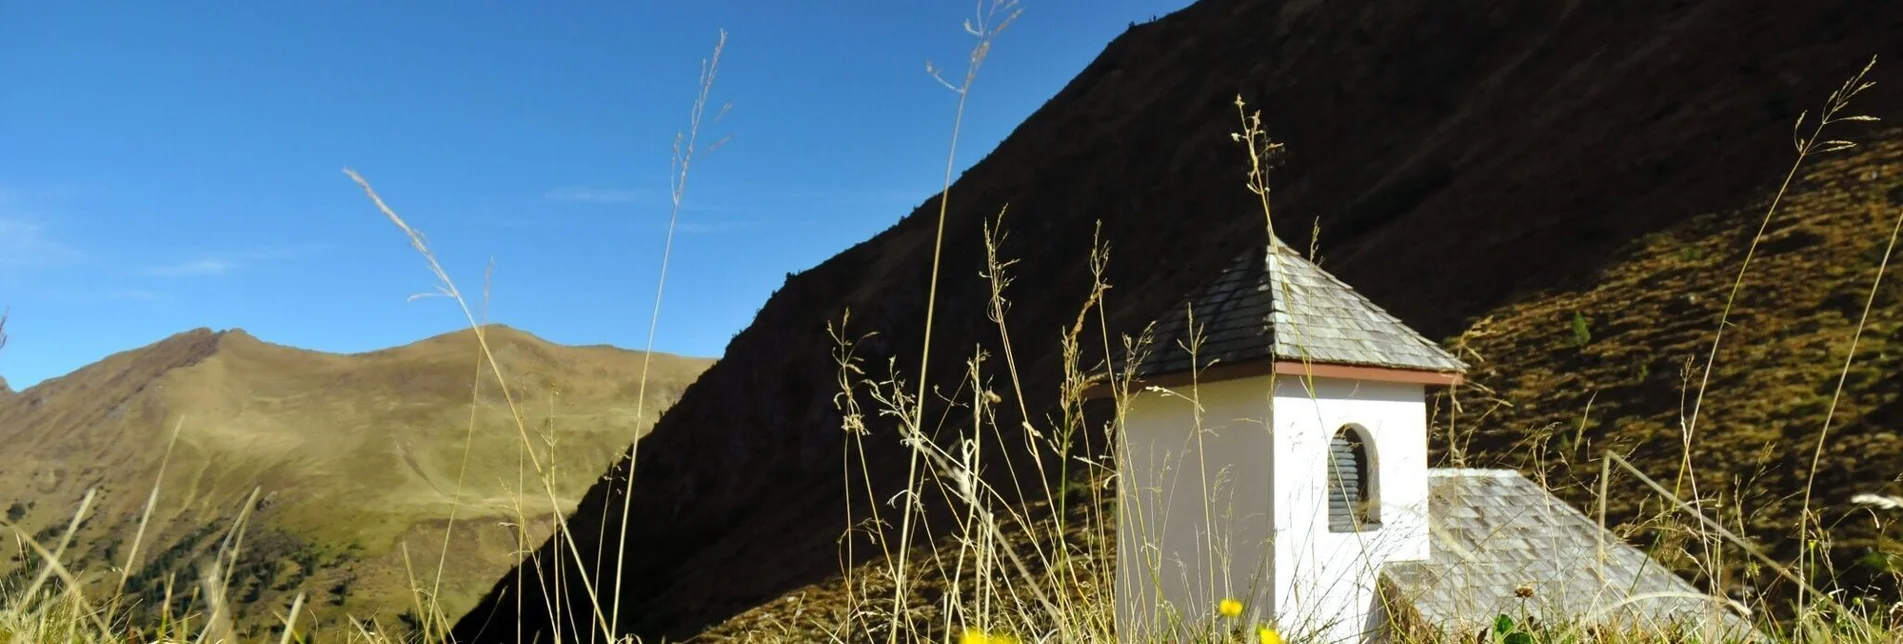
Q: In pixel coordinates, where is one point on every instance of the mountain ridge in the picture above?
(498, 332)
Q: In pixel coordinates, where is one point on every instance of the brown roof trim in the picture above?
(1256, 368)
(1363, 372)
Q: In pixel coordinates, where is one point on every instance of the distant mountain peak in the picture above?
(310, 427)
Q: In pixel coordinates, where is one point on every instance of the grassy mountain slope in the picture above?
(353, 458)
(1548, 399)
(1625, 377)
(1458, 155)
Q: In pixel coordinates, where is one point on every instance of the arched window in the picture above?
(1352, 505)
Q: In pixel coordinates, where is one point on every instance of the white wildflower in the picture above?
(1878, 501)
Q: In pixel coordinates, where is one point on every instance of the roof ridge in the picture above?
(1272, 303)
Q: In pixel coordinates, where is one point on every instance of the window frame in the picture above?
(1364, 511)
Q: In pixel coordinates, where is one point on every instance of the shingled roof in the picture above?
(1270, 303)
(1494, 531)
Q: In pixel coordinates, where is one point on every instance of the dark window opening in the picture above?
(1352, 503)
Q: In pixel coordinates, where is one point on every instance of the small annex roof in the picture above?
(1495, 534)
(1271, 304)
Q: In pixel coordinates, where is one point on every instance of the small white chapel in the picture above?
(1275, 453)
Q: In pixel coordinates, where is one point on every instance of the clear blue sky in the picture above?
(166, 166)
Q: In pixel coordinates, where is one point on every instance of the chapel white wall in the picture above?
(1325, 581)
(1175, 543)
(1261, 534)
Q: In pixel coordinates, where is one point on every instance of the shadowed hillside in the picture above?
(353, 458)
(1647, 314)
(1460, 157)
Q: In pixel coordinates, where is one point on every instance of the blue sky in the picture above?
(168, 166)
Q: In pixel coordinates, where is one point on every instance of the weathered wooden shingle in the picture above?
(1494, 533)
(1273, 304)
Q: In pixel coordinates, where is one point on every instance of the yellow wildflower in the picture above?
(975, 636)
(1229, 607)
(1267, 635)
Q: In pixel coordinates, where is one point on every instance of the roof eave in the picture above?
(1284, 367)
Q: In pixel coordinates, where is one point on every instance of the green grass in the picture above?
(354, 459)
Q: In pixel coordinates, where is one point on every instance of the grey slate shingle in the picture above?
(1492, 531)
(1272, 303)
